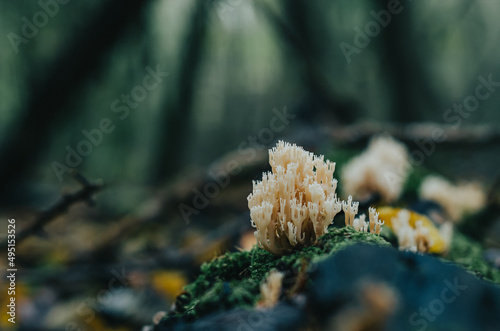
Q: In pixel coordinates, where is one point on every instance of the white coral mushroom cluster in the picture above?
(373, 226)
(270, 290)
(294, 204)
(409, 238)
(382, 168)
(457, 200)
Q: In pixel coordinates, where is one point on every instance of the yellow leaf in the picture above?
(169, 283)
(438, 246)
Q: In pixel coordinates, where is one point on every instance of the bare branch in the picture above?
(66, 201)
(472, 134)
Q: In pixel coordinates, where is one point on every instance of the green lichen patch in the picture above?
(233, 279)
(469, 254)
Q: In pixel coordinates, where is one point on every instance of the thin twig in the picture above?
(66, 201)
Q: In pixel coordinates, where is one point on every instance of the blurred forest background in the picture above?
(229, 64)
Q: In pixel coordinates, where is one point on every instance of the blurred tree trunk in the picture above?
(297, 30)
(399, 51)
(48, 98)
(399, 62)
(178, 112)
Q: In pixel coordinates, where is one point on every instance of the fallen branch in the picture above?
(66, 201)
(471, 134)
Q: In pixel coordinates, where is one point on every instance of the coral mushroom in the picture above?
(457, 200)
(270, 290)
(409, 238)
(382, 168)
(295, 203)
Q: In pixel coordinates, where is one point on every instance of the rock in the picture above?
(430, 294)
(281, 317)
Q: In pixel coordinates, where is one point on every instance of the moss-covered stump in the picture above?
(233, 280)
(230, 284)
(361, 287)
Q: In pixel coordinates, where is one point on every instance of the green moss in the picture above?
(469, 254)
(233, 280)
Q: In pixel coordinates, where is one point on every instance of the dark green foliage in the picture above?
(476, 225)
(413, 182)
(469, 254)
